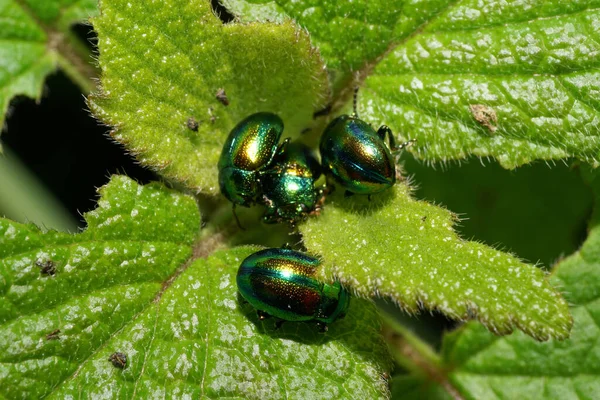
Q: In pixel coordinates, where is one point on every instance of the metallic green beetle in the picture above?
(249, 149)
(281, 283)
(356, 157)
(288, 186)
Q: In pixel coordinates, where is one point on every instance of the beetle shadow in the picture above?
(359, 331)
(306, 332)
(360, 203)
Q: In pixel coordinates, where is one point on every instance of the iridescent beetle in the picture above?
(281, 283)
(356, 156)
(249, 149)
(288, 186)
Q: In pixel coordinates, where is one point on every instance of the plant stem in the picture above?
(74, 59)
(415, 355)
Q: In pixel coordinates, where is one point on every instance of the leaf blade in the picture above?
(85, 286)
(33, 45)
(485, 365)
(416, 259)
(534, 67)
(149, 95)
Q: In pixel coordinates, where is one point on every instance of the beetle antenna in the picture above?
(237, 220)
(405, 144)
(354, 101)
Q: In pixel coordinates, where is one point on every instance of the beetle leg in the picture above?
(384, 131)
(237, 220)
(322, 326)
(267, 202)
(262, 315)
(281, 149)
(323, 112)
(279, 323)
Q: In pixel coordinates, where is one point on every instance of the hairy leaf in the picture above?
(349, 34)
(485, 366)
(175, 81)
(537, 212)
(62, 297)
(34, 41)
(198, 341)
(395, 247)
(517, 81)
(123, 310)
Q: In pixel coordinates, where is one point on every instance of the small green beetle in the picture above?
(250, 148)
(356, 157)
(281, 283)
(288, 186)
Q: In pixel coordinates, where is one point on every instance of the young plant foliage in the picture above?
(395, 247)
(484, 366)
(125, 310)
(62, 297)
(34, 40)
(512, 80)
(175, 80)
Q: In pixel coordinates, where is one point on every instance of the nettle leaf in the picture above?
(511, 207)
(514, 81)
(62, 297)
(175, 81)
(485, 366)
(348, 34)
(395, 247)
(33, 43)
(198, 341)
(124, 310)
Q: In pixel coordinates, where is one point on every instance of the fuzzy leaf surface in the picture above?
(511, 208)
(32, 43)
(163, 64)
(517, 81)
(485, 366)
(349, 34)
(198, 341)
(406, 250)
(62, 297)
(128, 285)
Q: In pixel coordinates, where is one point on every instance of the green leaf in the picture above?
(409, 387)
(205, 344)
(511, 209)
(35, 39)
(348, 34)
(484, 366)
(164, 63)
(87, 286)
(511, 80)
(406, 250)
(131, 284)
